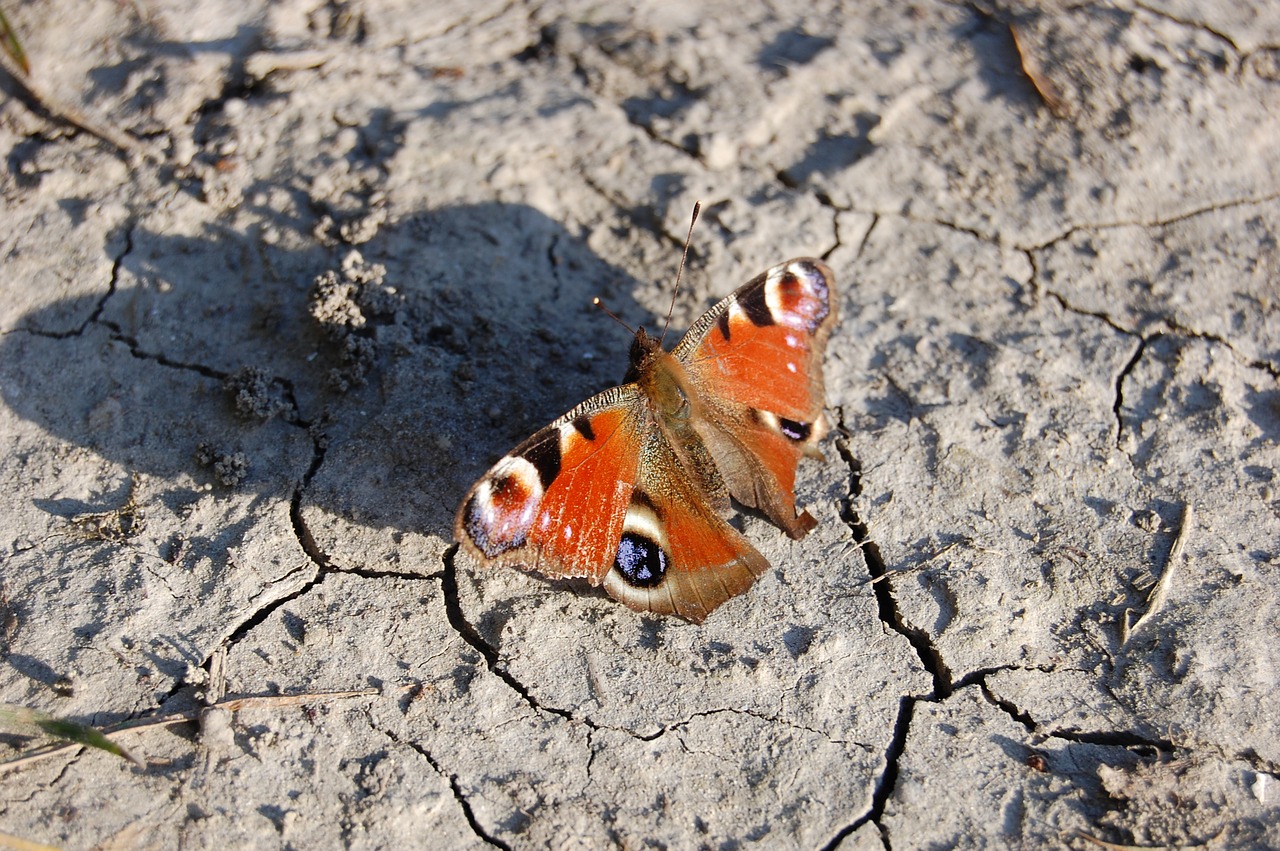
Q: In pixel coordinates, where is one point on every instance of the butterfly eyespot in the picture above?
(800, 432)
(795, 430)
(797, 296)
(501, 511)
(640, 561)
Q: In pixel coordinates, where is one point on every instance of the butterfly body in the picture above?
(630, 488)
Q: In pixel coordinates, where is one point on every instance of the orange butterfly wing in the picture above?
(755, 359)
(676, 554)
(555, 504)
(600, 493)
(627, 489)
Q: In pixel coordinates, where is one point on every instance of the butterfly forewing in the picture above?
(756, 361)
(555, 504)
(762, 346)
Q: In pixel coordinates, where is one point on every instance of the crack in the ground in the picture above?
(455, 787)
(1175, 328)
(303, 535)
(319, 449)
(112, 284)
(1065, 233)
(733, 710)
(1140, 347)
(469, 634)
(138, 352)
(1272, 369)
(1114, 738)
(888, 779)
(1195, 25)
(866, 237)
(891, 616)
(1213, 207)
(323, 565)
(889, 612)
(1118, 403)
(1066, 305)
(1006, 706)
(1108, 738)
(259, 616)
(979, 677)
(1209, 337)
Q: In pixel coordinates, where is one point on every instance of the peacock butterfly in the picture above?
(630, 488)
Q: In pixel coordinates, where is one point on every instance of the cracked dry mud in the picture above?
(250, 364)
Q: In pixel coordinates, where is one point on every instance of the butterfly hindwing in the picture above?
(601, 494)
(676, 555)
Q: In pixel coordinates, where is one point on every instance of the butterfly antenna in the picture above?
(684, 255)
(607, 312)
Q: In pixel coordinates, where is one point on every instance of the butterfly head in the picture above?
(645, 352)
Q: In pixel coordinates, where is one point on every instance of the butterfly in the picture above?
(631, 488)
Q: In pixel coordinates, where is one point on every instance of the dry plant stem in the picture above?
(67, 114)
(1043, 85)
(233, 705)
(1160, 593)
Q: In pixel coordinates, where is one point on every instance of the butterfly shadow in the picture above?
(216, 365)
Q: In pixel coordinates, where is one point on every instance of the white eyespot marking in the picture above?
(568, 532)
(568, 436)
(503, 508)
(736, 314)
(793, 341)
(791, 367)
(643, 520)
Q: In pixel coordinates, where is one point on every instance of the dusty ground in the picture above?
(1042, 604)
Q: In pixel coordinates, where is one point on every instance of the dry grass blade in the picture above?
(51, 109)
(12, 45)
(1043, 85)
(1160, 593)
(24, 721)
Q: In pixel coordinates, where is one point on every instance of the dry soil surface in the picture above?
(282, 279)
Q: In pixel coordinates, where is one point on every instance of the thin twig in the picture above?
(915, 568)
(54, 110)
(1039, 81)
